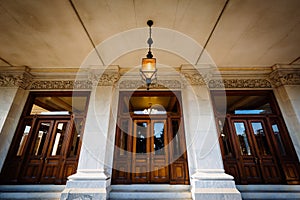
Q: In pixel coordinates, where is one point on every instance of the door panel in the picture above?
(53, 158)
(35, 161)
(141, 152)
(47, 153)
(159, 152)
(266, 160)
(150, 146)
(258, 161)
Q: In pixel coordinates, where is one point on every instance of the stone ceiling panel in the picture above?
(250, 31)
(42, 34)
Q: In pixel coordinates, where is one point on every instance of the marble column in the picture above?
(12, 101)
(91, 180)
(289, 102)
(286, 83)
(208, 179)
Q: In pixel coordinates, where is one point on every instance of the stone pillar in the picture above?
(12, 100)
(91, 180)
(286, 80)
(208, 178)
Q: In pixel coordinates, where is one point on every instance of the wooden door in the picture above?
(36, 156)
(258, 160)
(150, 155)
(150, 144)
(54, 157)
(44, 159)
(159, 152)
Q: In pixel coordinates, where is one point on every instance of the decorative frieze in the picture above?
(22, 80)
(239, 83)
(105, 79)
(160, 84)
(61, 84)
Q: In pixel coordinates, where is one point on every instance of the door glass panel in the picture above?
(59, 138)
(260, 138)
(242, 138)
(278, 140)
(176, 142)
(24, 138)
(159, 132)
(41, 137)
(141, 137)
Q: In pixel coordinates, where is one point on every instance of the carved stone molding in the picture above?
(61, 84)
(194, 78)
(108, 79)
(239, 83)
(22, 80)
(285, 76)
(160, 84)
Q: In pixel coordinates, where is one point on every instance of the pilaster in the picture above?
(92, 180)
(208, 178)
(13, 82)
(286, 81)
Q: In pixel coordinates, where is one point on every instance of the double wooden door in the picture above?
(150, 151)
(257, 150)
(45, 155)
(45, 150)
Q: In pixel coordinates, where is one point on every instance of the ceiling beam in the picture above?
(86, 31)
(5, 61)
(212, 31)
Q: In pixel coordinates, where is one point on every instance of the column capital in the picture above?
(16, 77)
(285, 75)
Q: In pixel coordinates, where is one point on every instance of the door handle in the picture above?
(256, 160)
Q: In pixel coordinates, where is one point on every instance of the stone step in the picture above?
(150, 191)
(268, 192)
(41, 192)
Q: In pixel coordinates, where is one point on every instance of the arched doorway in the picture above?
(150, 142)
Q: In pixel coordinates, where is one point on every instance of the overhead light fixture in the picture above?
(148, 70)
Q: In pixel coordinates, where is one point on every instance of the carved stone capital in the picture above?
(194, 78)
(22, 80)
(285, 75)
(239, 83)
(106, 77)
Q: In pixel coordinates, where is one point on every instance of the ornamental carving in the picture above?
(280, 77)
(239, 83)
(160, 84)
(195, 78)
(15, 80)
(105, 79)
(108, 79)
(65, 84)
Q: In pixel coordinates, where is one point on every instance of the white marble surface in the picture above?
(288, 98)
(12, 101)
